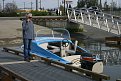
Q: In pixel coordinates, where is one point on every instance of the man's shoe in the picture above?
(31, 58)
(28, 60)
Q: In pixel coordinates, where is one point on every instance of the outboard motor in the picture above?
(91, 62)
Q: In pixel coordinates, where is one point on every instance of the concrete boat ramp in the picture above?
(13, 68)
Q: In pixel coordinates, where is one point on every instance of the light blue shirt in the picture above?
(28, 29)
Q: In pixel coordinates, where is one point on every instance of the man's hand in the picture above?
(28, 20)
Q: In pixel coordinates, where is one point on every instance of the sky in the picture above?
(45, 3)
(48, 3)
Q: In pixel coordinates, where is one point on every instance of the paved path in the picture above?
(12, 28)
(96, 33)
(11, 31)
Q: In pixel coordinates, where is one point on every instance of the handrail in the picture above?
(95, 11)
(111, 22)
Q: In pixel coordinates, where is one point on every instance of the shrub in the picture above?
(12, 14)
(40, 13)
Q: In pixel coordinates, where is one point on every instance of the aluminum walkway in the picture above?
(100, 20)
(43, 69)
(35, 70)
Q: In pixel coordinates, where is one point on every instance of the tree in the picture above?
(82, 3)
(92, 3)
(10, 7)
(113, 6)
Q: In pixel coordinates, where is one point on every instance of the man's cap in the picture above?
(29, 15)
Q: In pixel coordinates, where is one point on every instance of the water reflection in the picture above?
(110, 55)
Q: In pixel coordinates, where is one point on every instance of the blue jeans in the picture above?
(27, 48)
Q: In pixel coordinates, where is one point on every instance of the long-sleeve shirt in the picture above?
(28, 29)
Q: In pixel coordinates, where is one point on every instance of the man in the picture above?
(28, 36)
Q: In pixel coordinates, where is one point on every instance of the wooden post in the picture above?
(68, 69)
(0, 75)
(5, 50)
(16, 53)
(12, 78)
(48, 61)
(96, 78)
(118, 43)
(6, 77)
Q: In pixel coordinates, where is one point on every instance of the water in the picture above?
(111, 57)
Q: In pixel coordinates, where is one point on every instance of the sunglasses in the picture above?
(30, 17)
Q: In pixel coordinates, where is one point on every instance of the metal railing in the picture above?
(107, 22)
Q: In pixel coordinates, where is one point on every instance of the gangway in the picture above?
(100, 20)
(43, 69)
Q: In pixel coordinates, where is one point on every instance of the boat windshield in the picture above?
(55, 33)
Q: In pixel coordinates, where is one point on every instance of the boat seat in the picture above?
(55, 50)
(44, 45)
(73, 51)
(52, 47)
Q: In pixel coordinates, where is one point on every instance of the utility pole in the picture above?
(58, 4)
(40, 4)
(24, 5)
(64, 7)
(13, 1)
(106, 1)
(37, 5)
(3, 5)
(31, 5)
(112, 6)
(100, 4)
(96, 4)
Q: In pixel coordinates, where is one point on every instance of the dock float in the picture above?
(113, 45)
(118, 80)
(13, 68)
(116, 40)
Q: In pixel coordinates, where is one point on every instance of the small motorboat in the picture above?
(58, 46)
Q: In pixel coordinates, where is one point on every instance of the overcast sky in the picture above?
(48, 3)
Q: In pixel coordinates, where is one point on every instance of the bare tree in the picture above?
(10, 7)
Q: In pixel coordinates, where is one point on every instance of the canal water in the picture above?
(111, 56)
